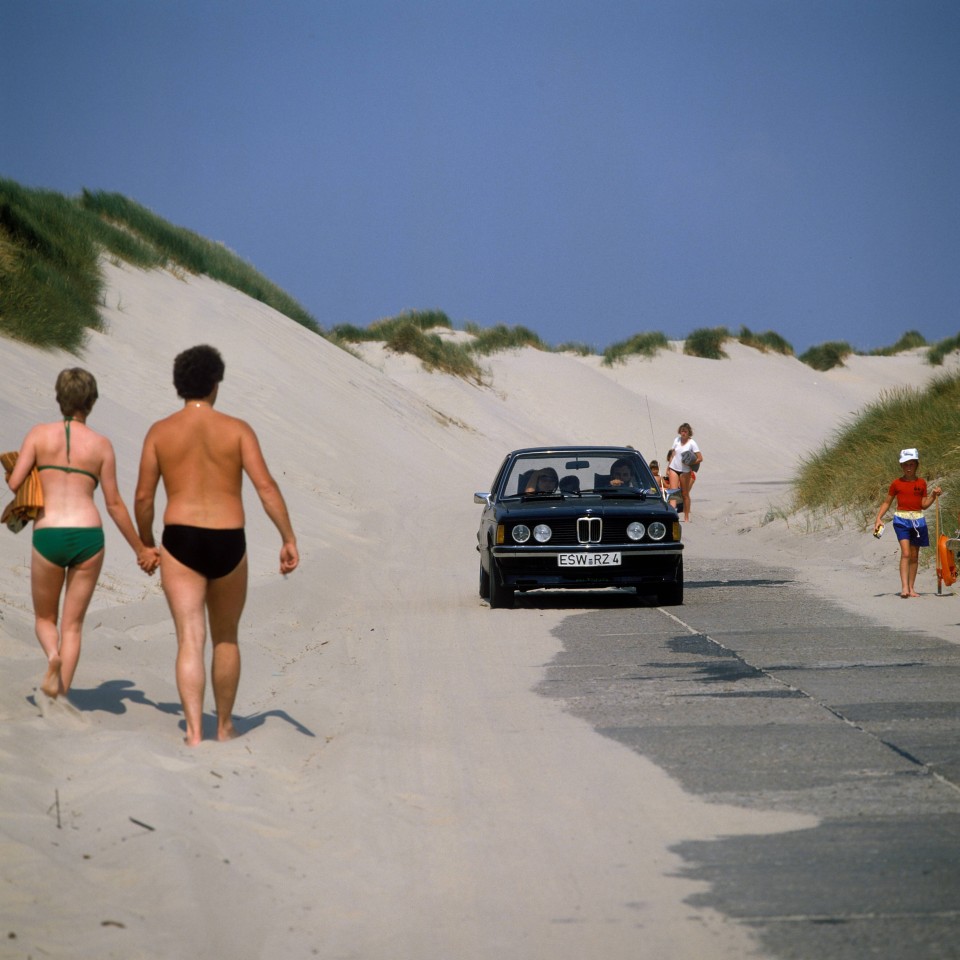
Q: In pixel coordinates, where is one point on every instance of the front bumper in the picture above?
(527, 568)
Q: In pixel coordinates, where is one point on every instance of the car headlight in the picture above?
(542, 533)
(657, 530)
(521, 533)
(636, 530)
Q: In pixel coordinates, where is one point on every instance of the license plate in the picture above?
(588, 560)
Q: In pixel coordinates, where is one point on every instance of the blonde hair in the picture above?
(76, 391)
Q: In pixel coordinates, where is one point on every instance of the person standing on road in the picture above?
(684, 461)
(201, 456)
(910, 492)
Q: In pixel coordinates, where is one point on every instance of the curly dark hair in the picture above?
(197, 371)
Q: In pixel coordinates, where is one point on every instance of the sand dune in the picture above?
(380, 802)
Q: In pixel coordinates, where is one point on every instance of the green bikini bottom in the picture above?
(68, 546)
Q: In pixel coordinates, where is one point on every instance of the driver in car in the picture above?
(621, 474)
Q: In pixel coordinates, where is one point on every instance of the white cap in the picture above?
(909, 454)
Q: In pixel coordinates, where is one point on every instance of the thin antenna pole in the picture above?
(653, 436)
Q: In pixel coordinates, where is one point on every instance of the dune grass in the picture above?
(385, 329)
(576, 347)
(852, 471)
(639, 345)
(826, 356)
(434, 353)
(411, 332)
(707, 342)
(500, 337)
(50, 281)
(764, 342)
(909, 341)
(194, 253)
(50, 249)
(937, 353)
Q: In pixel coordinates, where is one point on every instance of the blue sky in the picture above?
(587, 169)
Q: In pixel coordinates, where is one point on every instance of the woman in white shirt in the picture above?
(684, 460)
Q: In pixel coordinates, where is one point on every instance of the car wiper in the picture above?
(621, 492)
(542, 496)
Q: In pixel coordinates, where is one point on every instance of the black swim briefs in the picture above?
(211, 553)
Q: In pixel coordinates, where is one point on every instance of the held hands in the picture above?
(148, 559)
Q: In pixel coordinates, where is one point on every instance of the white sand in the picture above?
(399, 790)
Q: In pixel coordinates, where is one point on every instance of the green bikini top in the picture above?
(52, 466)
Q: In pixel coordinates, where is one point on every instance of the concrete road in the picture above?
(757, 693)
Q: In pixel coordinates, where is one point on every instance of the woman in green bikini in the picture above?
(68, 534)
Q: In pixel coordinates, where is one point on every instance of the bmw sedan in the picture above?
(575, 518)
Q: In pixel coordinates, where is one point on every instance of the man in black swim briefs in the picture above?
(201, 456)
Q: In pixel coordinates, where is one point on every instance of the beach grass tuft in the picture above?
(575, 347)
(639, 345)
(909, 341)
(500, 337)
(707, 342)
(434, 352)
(826, 356)
(939, 351)
(764, 342)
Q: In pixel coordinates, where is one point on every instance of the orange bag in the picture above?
(28, 502)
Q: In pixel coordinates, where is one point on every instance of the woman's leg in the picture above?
(46, 582)
(685, 484)
(81, 582)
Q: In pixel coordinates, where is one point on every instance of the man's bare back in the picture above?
(199, 453)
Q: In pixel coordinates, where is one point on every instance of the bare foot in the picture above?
(192, 741)
(227, 732)
(51, 680)
(913, 593)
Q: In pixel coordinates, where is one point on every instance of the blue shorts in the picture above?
(913, 530)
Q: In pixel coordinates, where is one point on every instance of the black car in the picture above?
(577, 517)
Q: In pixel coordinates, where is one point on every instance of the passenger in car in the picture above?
(570, 484)
(543, 481)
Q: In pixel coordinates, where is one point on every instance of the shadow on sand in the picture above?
(112, 696)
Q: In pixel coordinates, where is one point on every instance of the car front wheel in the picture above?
(671, 595)
(500, 595)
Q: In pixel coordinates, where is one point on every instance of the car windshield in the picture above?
(559, 475)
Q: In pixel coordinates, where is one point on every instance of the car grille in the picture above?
(573, 531)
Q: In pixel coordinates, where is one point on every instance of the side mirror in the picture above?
(483, 498)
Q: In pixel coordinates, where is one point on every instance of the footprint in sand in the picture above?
(57, 709)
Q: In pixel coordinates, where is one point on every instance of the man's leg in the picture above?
(225, 599)
(186, 591)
